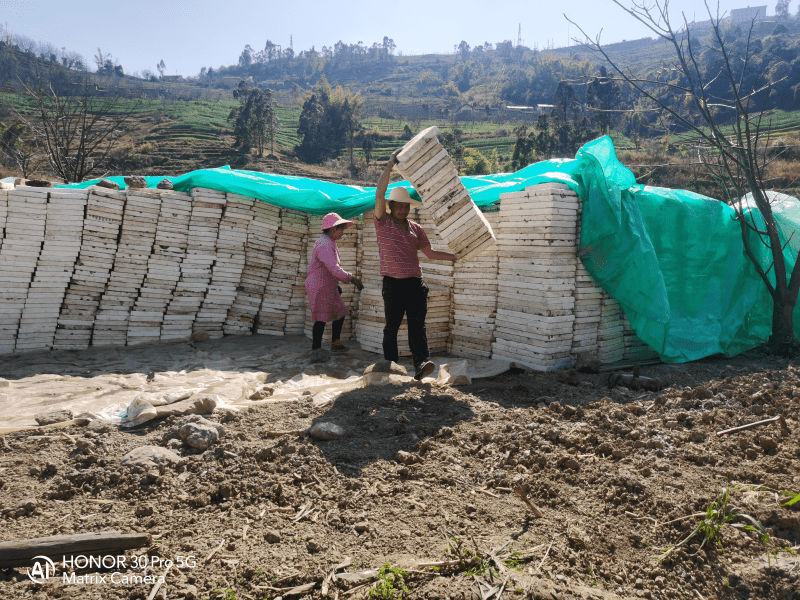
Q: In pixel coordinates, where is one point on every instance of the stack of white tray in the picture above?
(436, 272)
(290, 243)
(137, 235)
(22, 245)
(537, 242)
(635, 348)
(207, 206)
(227, 273)
(587, 312)
(257, 266)
(101, 227)
(370, 263)
(427, 166)
(163, 269)
(587, 306)
(348, 254)
(207, 210)
(62, 243)
(298, 305)
(610, 341)
(475, 302)
(295, 316)
(369, 327)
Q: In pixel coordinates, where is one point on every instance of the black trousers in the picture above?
(319, 330)
(407, 297)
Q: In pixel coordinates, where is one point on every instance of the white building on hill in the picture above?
(749, 14)
(736, 16)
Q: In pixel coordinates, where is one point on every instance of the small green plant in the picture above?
(793, 501)
(228, 594)
(717, 515)
(391, 584)
(471, 563)
(482, 564)
(513, 561)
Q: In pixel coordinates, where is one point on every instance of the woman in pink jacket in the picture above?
(324, 274)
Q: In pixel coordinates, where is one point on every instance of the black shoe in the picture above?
(423, 369)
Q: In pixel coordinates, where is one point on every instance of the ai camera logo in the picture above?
(43, 569)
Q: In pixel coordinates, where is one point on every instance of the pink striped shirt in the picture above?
(398, 248)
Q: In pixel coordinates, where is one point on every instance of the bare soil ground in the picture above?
(616, 475)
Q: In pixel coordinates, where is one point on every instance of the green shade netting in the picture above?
(673, 259)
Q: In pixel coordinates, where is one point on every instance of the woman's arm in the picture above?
(327, 256)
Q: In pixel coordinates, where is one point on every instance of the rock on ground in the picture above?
(199, 433)
(386, 366)
(53, 416)
(326, 431)
(151, 456)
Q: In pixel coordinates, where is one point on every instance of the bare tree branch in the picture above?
(75, 124)
(715, 100)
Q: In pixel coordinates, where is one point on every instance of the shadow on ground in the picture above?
(379, 421)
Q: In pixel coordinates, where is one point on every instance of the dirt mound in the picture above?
(454, 477)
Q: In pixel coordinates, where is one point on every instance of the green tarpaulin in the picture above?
(673, 259)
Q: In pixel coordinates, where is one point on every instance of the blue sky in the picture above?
(190, 35)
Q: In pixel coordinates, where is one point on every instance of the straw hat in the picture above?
(400, 194)
(332, 220)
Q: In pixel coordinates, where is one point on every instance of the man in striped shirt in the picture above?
(404, 291)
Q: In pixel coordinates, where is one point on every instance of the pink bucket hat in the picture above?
(332, 220)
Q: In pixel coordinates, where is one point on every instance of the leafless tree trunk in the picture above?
(75, 123)
(704, 102)
(20, 149)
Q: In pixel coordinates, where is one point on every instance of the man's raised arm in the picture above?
(383, 184)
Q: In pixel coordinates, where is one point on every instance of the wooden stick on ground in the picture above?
(527, 555)
(520, 493)
(275, 434)
(502, 587)
(156, 587)
(357, 588)
(20, 553)
(214, 551)
(635, 517)
(777, 419)
(692, 516)
(441, 563)
(544, 558)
